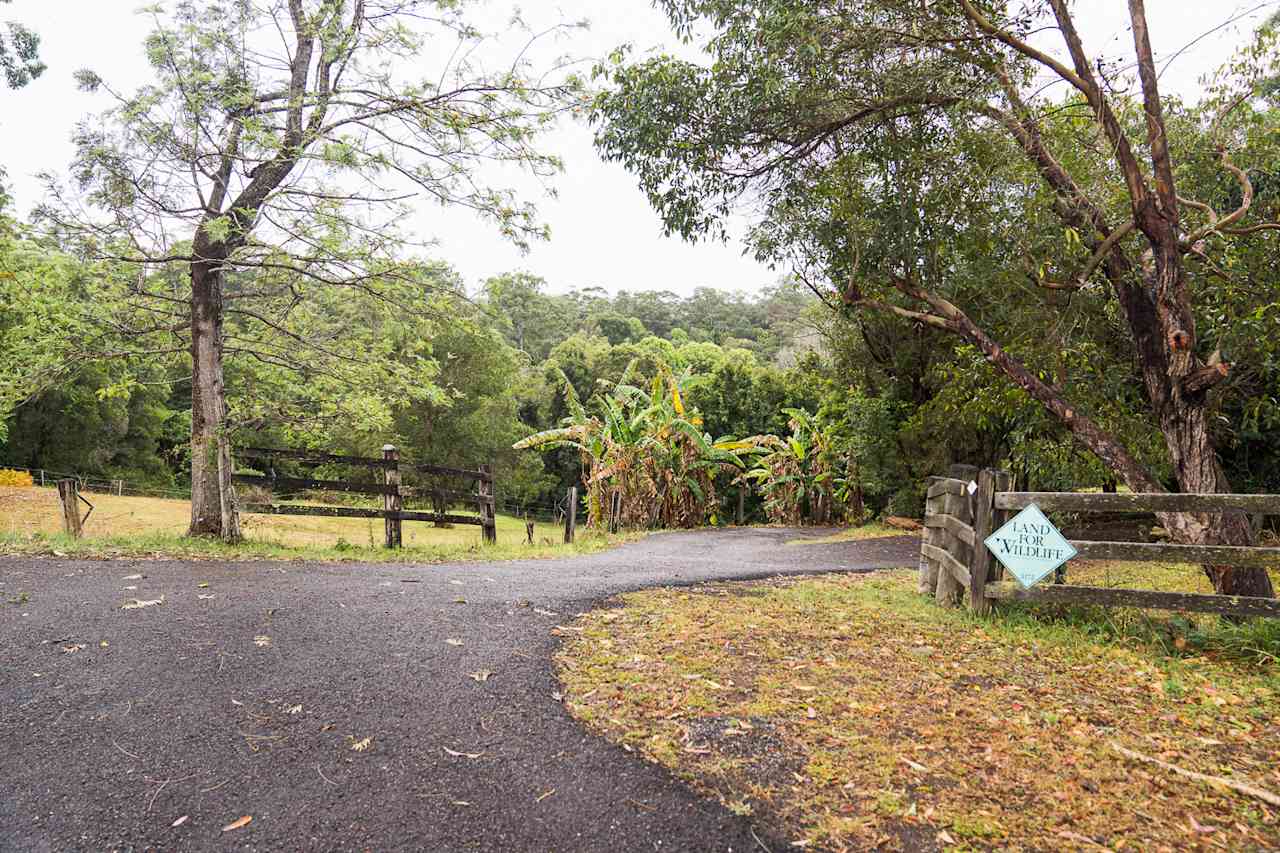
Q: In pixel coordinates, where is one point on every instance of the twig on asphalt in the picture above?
(215, 787)
(125, 751)
(152, 801)
(324, 777)
(758, 841)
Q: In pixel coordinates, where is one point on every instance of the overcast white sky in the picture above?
(603, 231)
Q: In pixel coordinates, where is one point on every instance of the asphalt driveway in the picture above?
(342, 707)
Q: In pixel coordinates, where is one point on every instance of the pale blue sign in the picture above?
(1030, 547)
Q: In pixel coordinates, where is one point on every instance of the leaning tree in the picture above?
(809, 107)
(276, 147)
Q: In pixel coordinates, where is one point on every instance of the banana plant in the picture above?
(803, 477)
(648, 446)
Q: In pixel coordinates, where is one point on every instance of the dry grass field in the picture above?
(28, 511)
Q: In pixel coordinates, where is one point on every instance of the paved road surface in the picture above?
(247, 696)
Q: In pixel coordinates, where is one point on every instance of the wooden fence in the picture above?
(955, 565)
(392, 489)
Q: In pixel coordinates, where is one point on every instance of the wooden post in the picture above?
(982, 567)
(960, 507)
(528, 529)
(930, 536)
(571, 518)
(488, 513)
(69, 495)
(119, 488)
(742, 505)
(392, 503)
(615, 511)
(41, 476)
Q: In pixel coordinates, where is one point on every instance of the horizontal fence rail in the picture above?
(1138, 502)
(392, 490)
(963, 509)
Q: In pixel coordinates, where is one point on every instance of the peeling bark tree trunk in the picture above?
(1196, 467)
(213, 508)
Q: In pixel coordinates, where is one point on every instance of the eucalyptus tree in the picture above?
(19, 54)
(808, 108)
(278, 144)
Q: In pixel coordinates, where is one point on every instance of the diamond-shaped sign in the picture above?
(1029, 546)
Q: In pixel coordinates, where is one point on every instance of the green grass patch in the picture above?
(169, 545)
(871, 530)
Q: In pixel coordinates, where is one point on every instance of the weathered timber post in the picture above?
(528, 529)
(119, 488)
(742, 504)
(615, 511)
(571, 516)
(930, 536)
(392, 503)
(959, 507)
(69, 495)
(965, 474)
(488, 512)
(42, 477)
(982, 567)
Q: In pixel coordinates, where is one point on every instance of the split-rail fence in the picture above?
(392, 489)
(956, 566)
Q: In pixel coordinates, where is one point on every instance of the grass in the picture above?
(30, 523)
(848, 712)
(870, 530)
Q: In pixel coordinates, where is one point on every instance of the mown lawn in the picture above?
(848, 712)
(30, 522)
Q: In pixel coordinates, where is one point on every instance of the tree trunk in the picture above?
(213, 508)
(1195, 464)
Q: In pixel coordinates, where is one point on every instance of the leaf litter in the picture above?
(1006, 735)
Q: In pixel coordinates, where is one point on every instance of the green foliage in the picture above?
(805, 477)
(19, 54)
(642, 443)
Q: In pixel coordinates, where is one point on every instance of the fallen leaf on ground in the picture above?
(361, 745)
(138, 603)
(131, 578)
(293, 709)
(459, 601)
(72, 648)
(205, 597)
(481, 675)
(542, 612)
(451, 641)
(262, 640)
(180, 821)
(202, 585)
(237, 824)
(457, 754)
(544, 796)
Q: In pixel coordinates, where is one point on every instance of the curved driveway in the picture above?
(328, 703)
